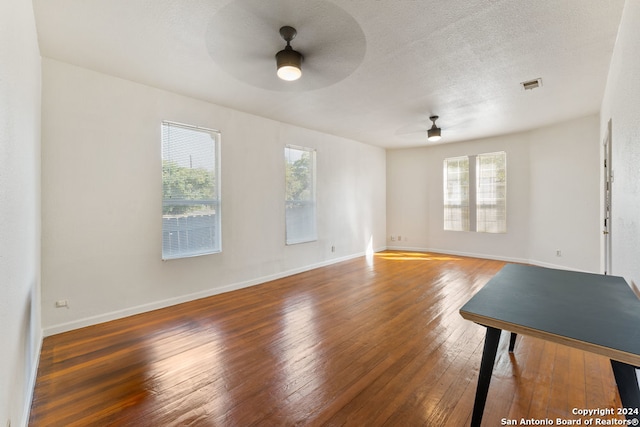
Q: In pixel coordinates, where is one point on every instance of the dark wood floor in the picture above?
(361, 343)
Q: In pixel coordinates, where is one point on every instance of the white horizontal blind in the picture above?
(300, 194)
(190, 191)
(456, 193)
(491, 192)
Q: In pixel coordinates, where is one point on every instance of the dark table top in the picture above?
(592, 312)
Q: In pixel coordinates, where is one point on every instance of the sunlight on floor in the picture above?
(175, 369)
(415, 256)
(298, 343)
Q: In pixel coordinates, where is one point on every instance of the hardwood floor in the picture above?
(361, 343)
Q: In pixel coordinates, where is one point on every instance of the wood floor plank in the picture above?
(364, 342)
(525, 365)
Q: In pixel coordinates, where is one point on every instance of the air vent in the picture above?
(531, 84)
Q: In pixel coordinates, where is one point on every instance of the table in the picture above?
(591, 312)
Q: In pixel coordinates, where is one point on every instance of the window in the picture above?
(190, 191)
(475, 193)
(456, 194)
(491, 193)
(300, 194)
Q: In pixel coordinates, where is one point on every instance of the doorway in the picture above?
(608, 181)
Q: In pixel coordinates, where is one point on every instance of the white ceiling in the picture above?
(374, 70)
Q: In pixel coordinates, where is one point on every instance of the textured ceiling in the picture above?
(374, 70)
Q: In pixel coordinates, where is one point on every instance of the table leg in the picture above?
(627, 382)
(491, 341)
(512, 342)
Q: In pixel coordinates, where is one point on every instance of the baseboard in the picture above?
(556, 266)
(487, 256)
(458, 253)
(33, 376)
(130, 311)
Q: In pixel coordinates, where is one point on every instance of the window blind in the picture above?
(475, 193)
(456, 194)
(491, 192)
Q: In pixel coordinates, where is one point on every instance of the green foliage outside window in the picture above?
(181, 184)
(298, 179)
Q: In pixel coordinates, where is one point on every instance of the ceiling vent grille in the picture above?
(531, 84)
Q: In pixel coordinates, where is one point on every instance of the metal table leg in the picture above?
(491, 341)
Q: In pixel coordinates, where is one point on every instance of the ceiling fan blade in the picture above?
(330, 40)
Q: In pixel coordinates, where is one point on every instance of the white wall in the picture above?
(19, 209)
(101, 202)
(564, 189)
(621, 104)
(552, 197)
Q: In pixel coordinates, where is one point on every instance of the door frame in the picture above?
(607, 199)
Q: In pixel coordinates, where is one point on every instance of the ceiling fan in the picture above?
(427, 130)
(288, 61)
(244, 36)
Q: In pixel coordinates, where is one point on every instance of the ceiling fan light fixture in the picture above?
(288, 61)
(289, 64)
(434, 134)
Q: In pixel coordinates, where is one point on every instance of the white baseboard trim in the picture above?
(556, 266)
(130, 311)
(33, 376)
(487, 256)
(458, 253)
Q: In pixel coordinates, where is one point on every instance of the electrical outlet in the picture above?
(333, 248)
(558, 252)
(61, 303)
(393, 238)
(399, 238)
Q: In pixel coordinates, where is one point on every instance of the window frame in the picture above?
(483, 225)
(476, 179)
(214, 202)
(312, 234)
(458, 187)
